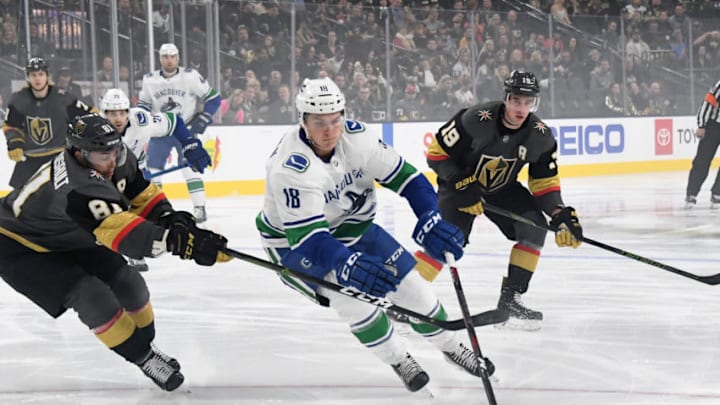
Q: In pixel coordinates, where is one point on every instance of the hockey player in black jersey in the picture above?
(62, 235)
(36, 119)
(477, 156)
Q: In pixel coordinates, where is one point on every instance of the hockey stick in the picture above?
(482, 319)
(710, 280)
(482, 361)
(169, 170)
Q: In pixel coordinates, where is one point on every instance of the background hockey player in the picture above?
(63, 233)
(36, 121)
(138, 126)
(176, 89)
(318, 216)
(478, 154)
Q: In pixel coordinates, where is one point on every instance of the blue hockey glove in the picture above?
(199, 122)
(368, 274)
(196, 155)
(438, 236)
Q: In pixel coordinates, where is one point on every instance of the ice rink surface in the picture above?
(616, 331)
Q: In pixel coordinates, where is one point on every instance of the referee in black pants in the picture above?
(709, 134)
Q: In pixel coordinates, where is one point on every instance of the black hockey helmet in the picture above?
(36, 64)
(92, 133)
(522, 83)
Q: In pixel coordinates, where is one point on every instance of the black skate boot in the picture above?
(521, 317)
(414, 377)
(465, 359)
(161, 371)
(172, 362)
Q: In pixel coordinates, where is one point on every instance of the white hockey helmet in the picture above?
(115, 99)
(168, 49)
(319, 96)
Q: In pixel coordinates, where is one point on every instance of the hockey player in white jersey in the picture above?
(177, 89)
(138, 127)
(317, 217)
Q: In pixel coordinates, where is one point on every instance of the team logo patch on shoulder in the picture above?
(297, 162)
(94, 174)
(540, 127)
(484, 115)
(353, 126)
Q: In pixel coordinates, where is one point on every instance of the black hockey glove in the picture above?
(186, 240)
(368, 274)
(196, 155)
(199, 122)
(568, 231)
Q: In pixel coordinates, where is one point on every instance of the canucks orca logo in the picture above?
(358, 202)
(170, 105)
(297, 162)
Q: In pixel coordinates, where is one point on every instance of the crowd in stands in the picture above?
(601, 60)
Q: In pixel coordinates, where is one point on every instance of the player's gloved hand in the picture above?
(438, 236)
(199, 122)
(569, 232)
(368, 274)
(475, 209)
(196, 155)
(186, 240)
(15, 149)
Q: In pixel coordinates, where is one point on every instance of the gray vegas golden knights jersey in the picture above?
(66, 206)
(42, 124)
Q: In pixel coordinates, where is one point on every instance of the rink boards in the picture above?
(586, 147)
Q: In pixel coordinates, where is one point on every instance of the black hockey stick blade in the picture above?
(482, 319)
(713, 279)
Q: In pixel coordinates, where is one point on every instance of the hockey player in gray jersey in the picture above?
(138, 126)
(62, 235)
(318, 215)
(177, 89)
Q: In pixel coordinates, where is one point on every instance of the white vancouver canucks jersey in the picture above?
(142, 126)
(177, 94)
(305, 194)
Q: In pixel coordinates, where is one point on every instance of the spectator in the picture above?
(9, 47)
(464, 94)
(105, 74)
(282, 110)
(161, 23)
(409, 108)
(636, 47)
(617, 105)
(360, 108)
(559, 12)
(679, 19)
(658, 103)
(232, 109)
(65, 82)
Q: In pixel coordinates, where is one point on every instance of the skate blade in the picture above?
(528, 325)
(425, 392)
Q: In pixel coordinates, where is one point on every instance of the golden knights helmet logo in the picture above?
(40, 129)
(493, 172)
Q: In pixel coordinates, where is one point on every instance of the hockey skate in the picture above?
(137, 264)
(162, 369)
(691, 200)
(410, 372)
(465, 359)
(714, 202)
(521, 317)
(200, 214)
